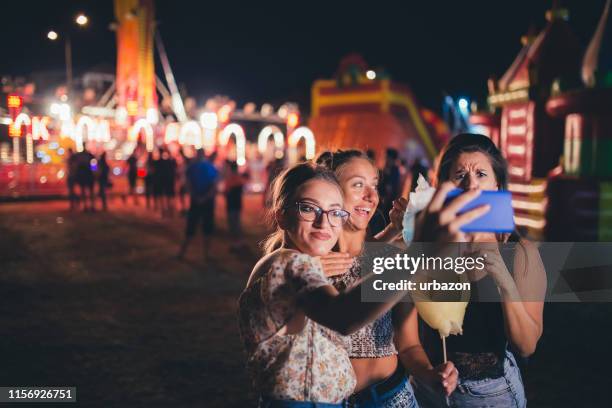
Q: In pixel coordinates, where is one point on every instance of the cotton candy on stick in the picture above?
(445, 317)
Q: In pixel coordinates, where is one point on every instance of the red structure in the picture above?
(530, 138)
(581, 196)
(364, 109)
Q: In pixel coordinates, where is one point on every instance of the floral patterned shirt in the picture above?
(311, 365)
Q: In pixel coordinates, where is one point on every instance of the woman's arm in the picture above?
(389, 234)
(345, 312)
(392, 231)
(524, 320)
(413, 356)
(522, 294)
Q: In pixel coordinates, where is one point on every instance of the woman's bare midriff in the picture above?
(373, 370)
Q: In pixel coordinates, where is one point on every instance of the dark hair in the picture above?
(335, 160)
(468, 143)
(473, 142)
(392, 153)
(284, 189)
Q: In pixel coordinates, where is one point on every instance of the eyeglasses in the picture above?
(311, 212)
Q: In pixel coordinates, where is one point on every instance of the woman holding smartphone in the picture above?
(291, 318)
(493, 331)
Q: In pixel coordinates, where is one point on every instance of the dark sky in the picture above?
(254, 52)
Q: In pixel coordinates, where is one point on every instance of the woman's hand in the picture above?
(396, 214)
(336, 263)
(439, 222)
(444, 375)
(494, 265)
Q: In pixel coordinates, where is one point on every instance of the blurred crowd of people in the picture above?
(175, 182)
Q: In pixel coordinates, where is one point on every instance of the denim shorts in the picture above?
(400, 396)
(506, 391)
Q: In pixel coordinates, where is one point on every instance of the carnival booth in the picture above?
(531, 139)
(580, 195)
(552, 119)
(364, 109)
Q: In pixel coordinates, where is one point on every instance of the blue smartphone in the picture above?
(500, 217)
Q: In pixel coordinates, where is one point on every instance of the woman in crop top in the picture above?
(376, 349)
(505, 311)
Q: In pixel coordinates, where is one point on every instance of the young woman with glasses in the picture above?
(291, 318)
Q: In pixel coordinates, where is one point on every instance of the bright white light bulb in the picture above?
(81, 19)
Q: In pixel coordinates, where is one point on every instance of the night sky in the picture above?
(272, 53)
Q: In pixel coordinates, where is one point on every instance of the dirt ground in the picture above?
(99, 301)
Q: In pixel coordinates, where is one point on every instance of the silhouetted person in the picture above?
(390, 181)
(157, 181)
(181, 176)
(132, 175)
(103, 180)
(71, 171)
(234, 187)
(85, 179)
(150, 170)
(167, 181)
(202, 179)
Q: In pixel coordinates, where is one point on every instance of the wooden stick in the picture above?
(445, 360)
(444, 347)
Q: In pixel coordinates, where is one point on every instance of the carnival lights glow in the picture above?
(121, 115)
(84, 129)
(237, 131)
(309, 140)
(191, 133)
(173, 130)
(21, 120)
(208, 120)
(81, 19)
(266, 132)
(152, 116)
(39, 128)
(84, 123)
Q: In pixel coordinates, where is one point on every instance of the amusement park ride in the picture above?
(555, 130)
(553, 127)
(128, 116)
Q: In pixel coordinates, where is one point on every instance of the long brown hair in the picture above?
(284, 190)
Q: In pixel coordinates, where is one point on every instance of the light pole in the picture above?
(81, 20)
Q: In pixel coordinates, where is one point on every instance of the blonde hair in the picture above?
(284, 190)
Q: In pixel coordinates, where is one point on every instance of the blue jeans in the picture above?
(400, 396)
(504, 392)
(273, 403)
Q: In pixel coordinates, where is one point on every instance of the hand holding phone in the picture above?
(500, 218)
